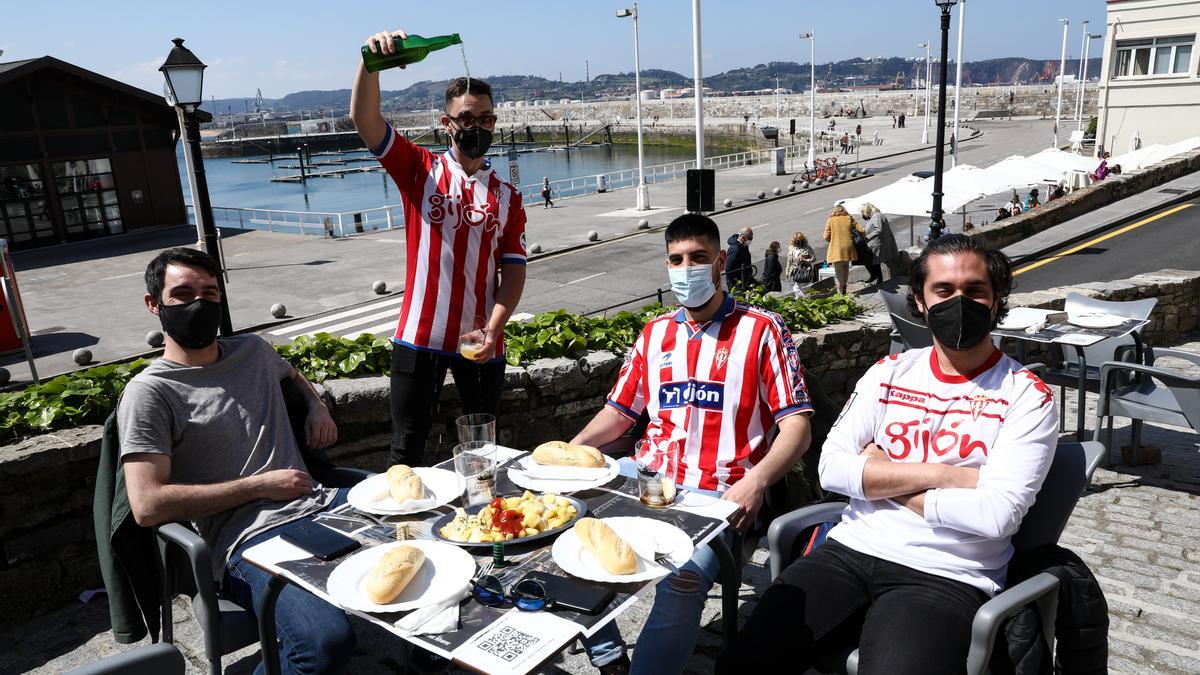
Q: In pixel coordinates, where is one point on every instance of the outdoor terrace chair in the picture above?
(908, 330)
(1154, 394)
(1066, 364)
(1069, 474)
(153, 659)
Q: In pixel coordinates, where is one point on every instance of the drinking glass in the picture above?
(656, 466)
(476, 427)
(471, 342)
(475, 461)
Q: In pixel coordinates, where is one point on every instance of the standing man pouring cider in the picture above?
(465, 252)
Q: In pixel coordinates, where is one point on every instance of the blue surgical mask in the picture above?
(693, 286)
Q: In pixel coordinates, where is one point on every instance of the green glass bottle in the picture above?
(412, 49)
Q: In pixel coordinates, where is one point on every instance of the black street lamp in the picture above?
(184, 75)
(939, 161)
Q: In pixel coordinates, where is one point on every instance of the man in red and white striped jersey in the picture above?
(715, 377)
(465, 255)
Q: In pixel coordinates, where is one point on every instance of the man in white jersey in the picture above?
(715, 377)
(465, 255)
(942, 451)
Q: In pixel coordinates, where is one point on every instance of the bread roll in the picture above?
(599, 539)
(393, 572)
(404, 484)
(558, 453)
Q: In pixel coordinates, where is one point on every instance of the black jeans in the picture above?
(417, 377)
(876, 272)
(903, 620)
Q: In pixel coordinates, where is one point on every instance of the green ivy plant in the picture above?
(322, 356)
(71, 400)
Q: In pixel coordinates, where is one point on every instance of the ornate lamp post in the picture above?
(184, 75)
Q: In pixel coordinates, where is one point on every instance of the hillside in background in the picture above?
(785, 74)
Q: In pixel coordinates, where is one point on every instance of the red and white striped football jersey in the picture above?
(713, 390)
(459, 229)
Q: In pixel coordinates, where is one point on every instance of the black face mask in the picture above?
(192, 325)
(960, 322)
(473, 143)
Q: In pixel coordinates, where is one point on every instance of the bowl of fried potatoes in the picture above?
(518, 518)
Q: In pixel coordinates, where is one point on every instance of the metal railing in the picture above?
(321, 223)
(615, 180)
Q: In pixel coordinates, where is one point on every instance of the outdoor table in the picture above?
(1066, 333)
(491, 639)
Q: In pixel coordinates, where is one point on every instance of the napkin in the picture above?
(439, 618)
(382, 499)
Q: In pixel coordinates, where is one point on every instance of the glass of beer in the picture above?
(656, 468)
(475, 461)
(471, 342)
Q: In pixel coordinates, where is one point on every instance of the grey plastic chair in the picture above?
(1070, 472)
(1175, 401)
(908, 331)
(153, 659)
(1074, 362)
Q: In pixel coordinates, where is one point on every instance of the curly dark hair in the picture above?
(999, 267)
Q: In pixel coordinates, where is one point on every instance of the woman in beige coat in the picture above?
(841, 244)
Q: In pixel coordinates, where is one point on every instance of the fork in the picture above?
(662, 558)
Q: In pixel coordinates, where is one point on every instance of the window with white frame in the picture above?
(1154, 56)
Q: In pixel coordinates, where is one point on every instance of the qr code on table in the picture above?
(508, 643)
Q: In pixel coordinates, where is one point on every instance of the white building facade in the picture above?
(1150, 80)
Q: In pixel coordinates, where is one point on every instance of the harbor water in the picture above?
(239, 185)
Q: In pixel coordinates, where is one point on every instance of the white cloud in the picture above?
(143, 75)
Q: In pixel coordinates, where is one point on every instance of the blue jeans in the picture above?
(314, 636)
(670, 632)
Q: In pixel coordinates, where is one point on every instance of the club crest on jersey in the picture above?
(721, 358)
(977, 404)
(706, 395)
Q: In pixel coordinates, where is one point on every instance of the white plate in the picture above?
(441, 487)
(610, 471)
(446, 571)
(645, 535)
(1095, 320)
(1020, 318)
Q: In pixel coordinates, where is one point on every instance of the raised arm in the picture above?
(364, 98)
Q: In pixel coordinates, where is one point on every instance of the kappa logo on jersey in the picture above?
(706, 395)
(441, 208)
(721, 358)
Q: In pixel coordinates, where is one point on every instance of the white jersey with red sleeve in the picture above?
(459, 230)
(999, 419)
(713, 390)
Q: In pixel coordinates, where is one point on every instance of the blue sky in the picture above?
(283, 47)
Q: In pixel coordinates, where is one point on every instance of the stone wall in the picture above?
(47, 550)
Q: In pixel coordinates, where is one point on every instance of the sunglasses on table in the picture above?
(469, 121)
(528, 595)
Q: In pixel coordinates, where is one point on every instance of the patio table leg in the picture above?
(731, 581)
(1079, 423)
(266, 626)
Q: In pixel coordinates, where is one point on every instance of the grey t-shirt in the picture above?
(218, 423)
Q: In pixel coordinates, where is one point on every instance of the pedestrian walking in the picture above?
(840, 252)
(880, 242)
(893, 121)
(738, 269)
(772, 270)
(953, 145)
(546, 193)
(801, 260)
(902, 120)
(845, 143)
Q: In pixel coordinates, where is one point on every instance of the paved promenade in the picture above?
(1136, 527)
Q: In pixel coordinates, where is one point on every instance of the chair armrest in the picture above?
(1042, 588)
(1038, 369)
(1169, 376)
(782, 533)
(1155, 353)
(156, 658)
(205, 602)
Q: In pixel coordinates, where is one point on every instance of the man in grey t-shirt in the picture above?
(205, 438)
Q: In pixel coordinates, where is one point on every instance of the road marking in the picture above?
(358, 320)
(1099, 239)
(811, 211)
(593, 276)
(120, 276)
(292, 328)
(389, 327)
